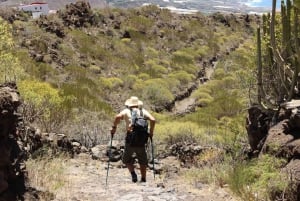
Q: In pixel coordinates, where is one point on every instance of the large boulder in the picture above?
(257, 125)
(293, 169)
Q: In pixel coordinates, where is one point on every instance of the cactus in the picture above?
(278, 67)
(264, 24)
(259, 65)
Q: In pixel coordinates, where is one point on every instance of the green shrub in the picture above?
(211, 172)
(155, 90)
(44, 105)
(151, 53)
(144, 76)
(86, 44)
(10, 67)
(182, 57)
(257, 177)
(155, 70)
(179, 131)
(183, 77)
(129, 80)
(140, 23)
(203, 51)
(86, 99)
(111, 82)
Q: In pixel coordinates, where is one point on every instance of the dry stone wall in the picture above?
(12, 175)
(18, 141)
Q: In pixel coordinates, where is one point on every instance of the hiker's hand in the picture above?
(113, 130)
(151, 135)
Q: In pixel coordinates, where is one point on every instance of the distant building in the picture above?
(37, 9)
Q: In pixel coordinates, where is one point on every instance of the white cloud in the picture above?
(252, 2)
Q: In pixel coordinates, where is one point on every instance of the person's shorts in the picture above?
(140, 152)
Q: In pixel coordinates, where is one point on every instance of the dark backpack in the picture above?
(139, 135)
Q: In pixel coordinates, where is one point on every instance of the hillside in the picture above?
(88, 54)
(54, 4)
(75, 69)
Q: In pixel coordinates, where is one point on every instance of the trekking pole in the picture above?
(152, 147)
(109, 155)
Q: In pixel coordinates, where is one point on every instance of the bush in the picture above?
(111, 82)
(214, 173)
(86, 99)
(155, 90)
(182, 76)
(203, 98)
(179, 131)
(44, 105)
(141, 24)
(10, 68)
(182, 57)
(254, 179)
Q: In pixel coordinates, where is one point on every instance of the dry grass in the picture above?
(47, 173)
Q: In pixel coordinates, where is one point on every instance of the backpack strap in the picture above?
(133, 114)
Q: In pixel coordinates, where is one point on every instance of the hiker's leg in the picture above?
(128, 160)
(143, 161)
(130, 167)
(143, 169)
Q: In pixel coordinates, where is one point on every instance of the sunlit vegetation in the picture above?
(10, 68)
(47, 173)
(258, 178)
(45, 105)
(153, 54)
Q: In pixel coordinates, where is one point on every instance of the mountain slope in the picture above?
(54, 4)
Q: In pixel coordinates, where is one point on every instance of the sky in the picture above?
(262, 3)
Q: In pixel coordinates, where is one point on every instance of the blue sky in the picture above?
(263, 3)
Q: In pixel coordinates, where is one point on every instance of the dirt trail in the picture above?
(85, 180)
(183, 105)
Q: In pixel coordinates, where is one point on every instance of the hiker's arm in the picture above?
(117, 120)
(152, 125)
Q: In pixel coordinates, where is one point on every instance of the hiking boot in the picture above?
(143, 179)
(134, 177)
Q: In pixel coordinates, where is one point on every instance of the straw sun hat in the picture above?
(133, 101)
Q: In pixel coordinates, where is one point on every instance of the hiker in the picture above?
(134, 108)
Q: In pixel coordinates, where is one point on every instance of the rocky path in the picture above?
(182, 106)
(85, 180)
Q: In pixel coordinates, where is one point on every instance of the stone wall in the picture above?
(12, 177)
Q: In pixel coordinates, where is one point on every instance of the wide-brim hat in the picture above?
(133, 101)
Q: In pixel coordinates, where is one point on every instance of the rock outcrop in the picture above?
(12, 174)
(18, 141)
(280, 139)
(77, 14)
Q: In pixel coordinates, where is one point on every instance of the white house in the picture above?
(37, 9)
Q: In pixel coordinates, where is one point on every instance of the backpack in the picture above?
(139, 135)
